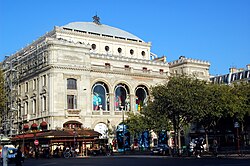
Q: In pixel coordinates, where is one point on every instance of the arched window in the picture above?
(122, 98)
(100, 97)
(71, 83)
(141, 93)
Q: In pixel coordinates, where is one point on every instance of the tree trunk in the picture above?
(179, 142)
(207, 146)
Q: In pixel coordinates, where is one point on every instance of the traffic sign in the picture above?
(36, 142)
(236, 125)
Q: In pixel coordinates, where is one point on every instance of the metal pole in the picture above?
(123, 130)
(238, 140)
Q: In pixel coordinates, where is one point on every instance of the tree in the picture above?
(179, 101)
(136, 124)
(214, 106)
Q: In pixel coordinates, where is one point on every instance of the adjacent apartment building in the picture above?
(234, 75)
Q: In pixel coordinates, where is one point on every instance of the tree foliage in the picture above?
(183, 100)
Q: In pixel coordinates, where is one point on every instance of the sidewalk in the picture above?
(227, 154)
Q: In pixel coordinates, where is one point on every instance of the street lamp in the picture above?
(123, 128)
(237, 125)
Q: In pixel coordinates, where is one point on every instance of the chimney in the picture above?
(248, 67)
(232, 70)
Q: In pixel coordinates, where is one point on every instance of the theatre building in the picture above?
(85, 75)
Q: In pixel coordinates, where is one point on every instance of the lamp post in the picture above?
(237, 125)
(123, 128)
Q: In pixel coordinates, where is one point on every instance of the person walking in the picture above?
(36, 153)
(18, 157)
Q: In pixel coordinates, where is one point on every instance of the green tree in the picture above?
(214, 106)
(179, 101)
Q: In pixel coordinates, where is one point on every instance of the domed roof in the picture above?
(100, 29)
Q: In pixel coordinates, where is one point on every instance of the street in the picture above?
(138, 161)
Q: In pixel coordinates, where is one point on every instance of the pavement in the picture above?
(141, 154)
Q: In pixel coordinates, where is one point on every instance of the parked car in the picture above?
(11, 155)
(160, 149)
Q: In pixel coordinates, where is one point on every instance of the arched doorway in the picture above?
(102, 129)
(123, 137)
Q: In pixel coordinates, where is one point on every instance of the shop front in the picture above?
(45, 142)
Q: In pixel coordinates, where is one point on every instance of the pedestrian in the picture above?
(18, 157)
(215, 148)
(110, 148)
(36, 153)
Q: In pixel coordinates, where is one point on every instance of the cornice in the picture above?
(107, 71)
(126, 59)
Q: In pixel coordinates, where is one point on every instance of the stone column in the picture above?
(132, 103)
(111, 103)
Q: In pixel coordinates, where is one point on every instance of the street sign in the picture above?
(236, 125)
(36, 142)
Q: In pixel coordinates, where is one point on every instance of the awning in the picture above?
(34, 125)
(26, 126)
(43, 124)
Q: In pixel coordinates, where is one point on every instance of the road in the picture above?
(138, 161)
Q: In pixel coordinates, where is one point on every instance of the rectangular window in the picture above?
(127, 67)
(26, 87)
(44, 104)
(34, 106)
(144, 69)
(19, 89)
(161, 71)
(71, 83)
(34, 84)
(26, 108)
(71, 102)
(44, 80)
(107, 65)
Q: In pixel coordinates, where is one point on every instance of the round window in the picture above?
(93, 46)
(106, 48)
(131, 51)
(143, 53)
(119, 50)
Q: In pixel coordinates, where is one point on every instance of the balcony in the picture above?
(72, 112)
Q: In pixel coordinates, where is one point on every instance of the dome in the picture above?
(101, 29)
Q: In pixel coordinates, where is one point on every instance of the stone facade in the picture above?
(72, 77)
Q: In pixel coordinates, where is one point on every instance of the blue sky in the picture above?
(214, 30)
